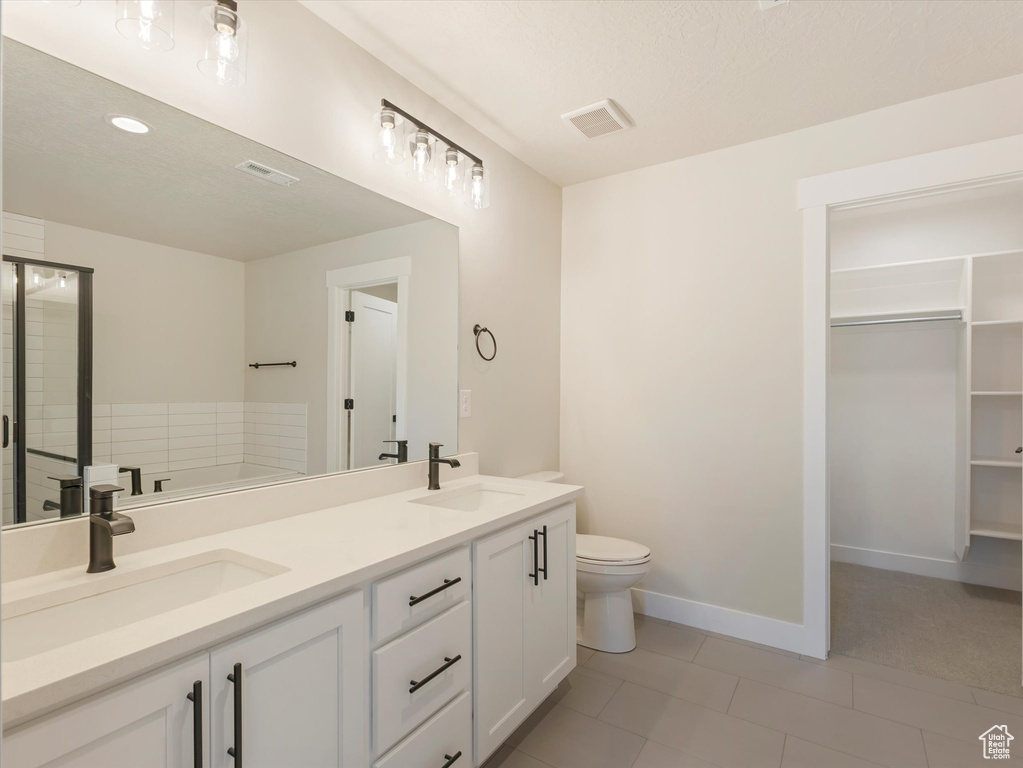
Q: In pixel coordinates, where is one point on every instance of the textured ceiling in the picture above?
(176, 185)
(694, 75)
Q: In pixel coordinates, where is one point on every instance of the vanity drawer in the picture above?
(440, 739)
(449, 577)
(437, 657)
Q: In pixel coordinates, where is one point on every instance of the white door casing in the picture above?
(373, 385)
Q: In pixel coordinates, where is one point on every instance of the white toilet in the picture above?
(606, 571)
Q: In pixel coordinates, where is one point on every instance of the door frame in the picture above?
(974, 165)
(340, 283)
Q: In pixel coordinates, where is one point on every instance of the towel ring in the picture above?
(478, 331)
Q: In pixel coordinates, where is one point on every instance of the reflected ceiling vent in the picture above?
(267, 173)
(598, 119)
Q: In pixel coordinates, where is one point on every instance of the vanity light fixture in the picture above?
(224, 59)
(128, 124)
(149, 23)
(460, 173)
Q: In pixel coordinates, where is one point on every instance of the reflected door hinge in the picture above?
(349, 315)
(349, 404)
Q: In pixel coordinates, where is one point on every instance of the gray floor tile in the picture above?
(506, 757)
(656, 755)
(937, 714)
(946, 752)
(845, 730)
(897, 676)
(805, 754)
(583, 654)
(700, 685)
(694, 730)
(651, 619)
(567, 739)
(814, 680)
(999, 701)
(670, 641)
(751, 644)
(588, 691)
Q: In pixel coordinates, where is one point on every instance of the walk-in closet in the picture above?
(926, 433)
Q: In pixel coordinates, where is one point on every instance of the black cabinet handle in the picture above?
(7, 431)
(236, 750)
(196, 698)
(543, 570)
(413, 600)
(451, 759)
(448, 663)
(535, 575)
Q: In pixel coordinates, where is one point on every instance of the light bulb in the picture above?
(150, 23)
(224, 59)
(422, 156)
(390, 137)
(63, 282)
(36, 280)
(452, 174)
(477, 192)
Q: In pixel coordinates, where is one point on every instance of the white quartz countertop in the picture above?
(326, 553)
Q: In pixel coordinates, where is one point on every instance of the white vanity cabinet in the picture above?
(147, 723)
(292, 693)
(524, 600)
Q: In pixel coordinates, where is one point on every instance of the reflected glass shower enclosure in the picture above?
(47, 384)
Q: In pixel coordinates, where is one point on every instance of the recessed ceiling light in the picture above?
(129, 124)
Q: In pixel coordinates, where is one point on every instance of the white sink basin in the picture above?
(99, 604)
(471, 498)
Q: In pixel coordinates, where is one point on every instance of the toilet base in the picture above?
(608, 623)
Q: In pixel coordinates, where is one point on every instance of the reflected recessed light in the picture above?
(129, 124)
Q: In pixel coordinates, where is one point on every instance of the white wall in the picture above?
(286, 319)
(682, 345)
(185, 341)
(311, 93)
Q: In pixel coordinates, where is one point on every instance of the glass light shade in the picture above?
(226, 44)
(422, 153)
(452, 167)
(477, 187)
(147, 23)
(390, 141)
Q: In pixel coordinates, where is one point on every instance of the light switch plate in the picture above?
(465, 403)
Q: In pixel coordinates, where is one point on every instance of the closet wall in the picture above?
(926, 415)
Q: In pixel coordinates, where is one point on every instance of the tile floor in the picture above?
(689, 699)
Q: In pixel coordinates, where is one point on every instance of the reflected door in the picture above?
(47, 384)
(374, 334)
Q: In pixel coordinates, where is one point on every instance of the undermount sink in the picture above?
(471, 498)
(53, 619)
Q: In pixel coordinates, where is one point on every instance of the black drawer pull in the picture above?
(451, 759)
(448, 663)
(535, 575)
(413, 600)
(538, 568)
(236, 750)
(196, 698)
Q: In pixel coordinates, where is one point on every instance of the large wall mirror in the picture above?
(147, 274)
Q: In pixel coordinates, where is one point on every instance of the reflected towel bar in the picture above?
(257, 366)
(898, 320)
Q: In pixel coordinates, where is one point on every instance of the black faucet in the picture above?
(104, 524)
(158, 484)
(70, 495)
(136, 479)
(401, 454)
(435, 462)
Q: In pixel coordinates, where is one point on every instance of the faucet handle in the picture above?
(67, 481)
(396, 442)
(103, 491)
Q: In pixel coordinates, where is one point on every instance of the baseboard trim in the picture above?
(951, 570)
(726, 621)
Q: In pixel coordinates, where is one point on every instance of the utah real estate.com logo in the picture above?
(996, 742)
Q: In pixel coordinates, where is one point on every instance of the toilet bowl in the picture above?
(606, 571)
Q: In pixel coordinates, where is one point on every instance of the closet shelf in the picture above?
(1012, 531)
(997, 461)
(998, 393)
(938, 260)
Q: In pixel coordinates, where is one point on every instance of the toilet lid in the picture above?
(605, 549)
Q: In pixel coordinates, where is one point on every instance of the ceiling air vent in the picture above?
(267, 173)
(597, 119)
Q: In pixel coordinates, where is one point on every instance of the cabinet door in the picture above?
(550, 605)
(500, 568)
(148, 723)
(297, 692)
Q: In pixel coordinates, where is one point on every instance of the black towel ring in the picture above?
(478, 331)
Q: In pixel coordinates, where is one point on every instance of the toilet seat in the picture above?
(605, 551)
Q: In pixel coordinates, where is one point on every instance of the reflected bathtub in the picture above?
(201, 481)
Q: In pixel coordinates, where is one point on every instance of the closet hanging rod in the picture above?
(898, 320)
